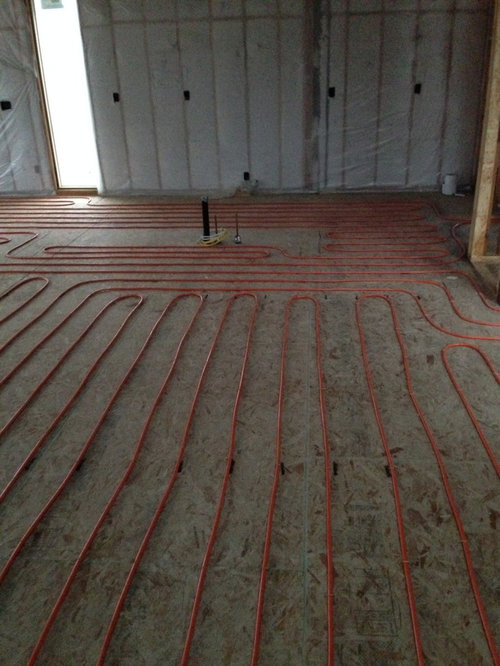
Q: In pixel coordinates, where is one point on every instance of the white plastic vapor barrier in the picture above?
(402, 93)
(193, 95)
(211, 96)
(24, 158)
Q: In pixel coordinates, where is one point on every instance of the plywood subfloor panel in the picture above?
(285, 449)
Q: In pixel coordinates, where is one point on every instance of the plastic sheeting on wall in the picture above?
(408, 81)
(347, 94)
(24, 161)
(209, 93)
(200, 95)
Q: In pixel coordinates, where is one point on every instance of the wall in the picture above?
(241, 64)
(377, 131)
(24, 162)
(259, 74)
(300, 95)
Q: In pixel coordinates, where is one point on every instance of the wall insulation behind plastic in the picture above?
(207, 91)
(408, 79)
(211, 90)
(24, 161)
(190, 95)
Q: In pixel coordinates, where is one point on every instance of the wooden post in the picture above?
(488, 156)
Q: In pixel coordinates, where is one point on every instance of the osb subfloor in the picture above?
(279, 452)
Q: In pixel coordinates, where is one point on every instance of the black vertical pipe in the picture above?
(206, 219)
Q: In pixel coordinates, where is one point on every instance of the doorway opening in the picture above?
(66, 94)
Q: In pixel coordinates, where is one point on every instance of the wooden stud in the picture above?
(41, 94)
(488, 156)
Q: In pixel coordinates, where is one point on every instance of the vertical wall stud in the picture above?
(488, 157)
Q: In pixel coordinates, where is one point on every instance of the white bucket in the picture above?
(449, 184)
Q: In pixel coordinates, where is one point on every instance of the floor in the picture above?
(283, 451)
